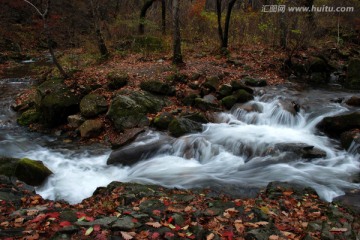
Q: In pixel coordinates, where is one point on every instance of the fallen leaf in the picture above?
(154, 224)
(338, 230)
(65, 224)
(211, 236)
(126, 235)
(97, 227)
(89, 231)
(239, 226)
(273, 237)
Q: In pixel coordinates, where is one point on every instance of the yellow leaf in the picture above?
(89, 231)
(210, 236)
(126, 235)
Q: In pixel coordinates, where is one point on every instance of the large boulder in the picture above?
(130, 109)
(157, 87)
(31, 172)
(300, 149)
(55, 102)
(243, 96)
(348, 137)
(253, 82)
(239, 85)
(334, 126)
(133, 153)
(163, 120)
(92, 105)
(353, 101)
(181, 126)
(353, 74)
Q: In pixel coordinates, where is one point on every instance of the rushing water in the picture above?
(237, 150)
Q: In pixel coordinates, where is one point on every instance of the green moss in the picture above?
(229, 101)
(28, 117)
(8, 166)
(92, 105)
(243, 96)
(163, 120)
(31, 172)
(157, 87)
(353, 74)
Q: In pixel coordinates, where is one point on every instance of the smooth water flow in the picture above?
(244, 148)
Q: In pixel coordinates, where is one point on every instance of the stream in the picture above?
(238, 149)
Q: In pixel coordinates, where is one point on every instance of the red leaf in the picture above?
(170, 220)
(97, 227)
(65, 224)
(39, 218)
(155, 235)
(134, 220)
(228, 234)
(53, 215)
(169, 234)
(156, 212)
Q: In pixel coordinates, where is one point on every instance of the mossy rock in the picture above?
(255, 82)
(182, 126)
(91, 128)
(157, 87)
(319, 78)
(177, 77)
(28, 117)
(55, 102)
(225, 90)
(205, 105)
(317, 64)
(243, 96)
(29, 171)
(353, 74)
(229, 101)
(92, 105)
(162, 121)
(189, 100)
(212, 83)
(353, 101)
(130, 109)
(117, 80)
(239, 85)
(196, 117)
(346, 138)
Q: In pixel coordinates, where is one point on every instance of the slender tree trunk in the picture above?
(99, 37)
(283, 31)
(143, 12)
(227, 24)
(177, 56)
(44, 17)
(220, 31)
(224, 35)
(163, 17)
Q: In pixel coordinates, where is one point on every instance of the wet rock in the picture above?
(103, 222)
(130, 109)
(350, 200)
(158, 87)
(229, 101)
(290, 106)
(208, 102)
(55, 102)
(196, 116)
(188, 96)
(131, 154)
(301, 149)
(181, 126)
(91, 128)
(334, 126)
(353, 74)
(252, 82)
(75, 121)
(243, 96)
(162, 121)
(346, 138)
(117, 80)
(28, 117)
(92, 105)
(353, 101)
(126, 137)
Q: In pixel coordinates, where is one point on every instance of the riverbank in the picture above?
(132, 211)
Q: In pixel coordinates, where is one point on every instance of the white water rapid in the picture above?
(242, 149)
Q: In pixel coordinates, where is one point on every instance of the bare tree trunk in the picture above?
(177, 56)
(163, 17)
(99, 37)
(44, 17)
(220, 31)
(143, 12)
(283, 31)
